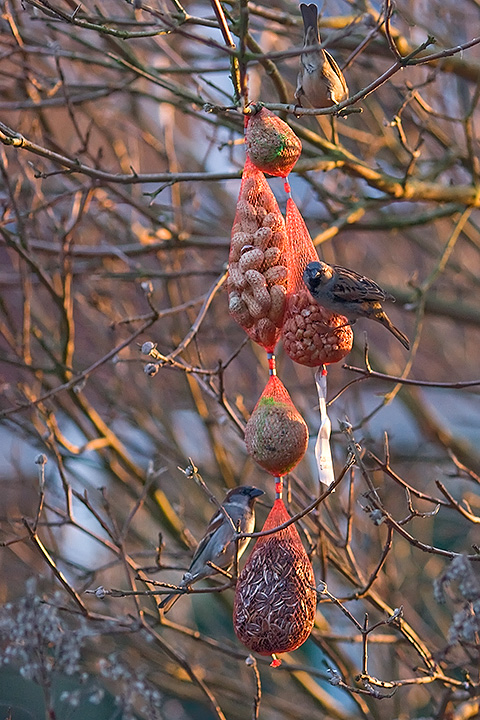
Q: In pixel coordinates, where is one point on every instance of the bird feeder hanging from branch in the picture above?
(257, 276)
(271, 144)
(311, 334)
(276, 435)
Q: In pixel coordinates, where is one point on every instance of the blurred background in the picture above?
(120, 166)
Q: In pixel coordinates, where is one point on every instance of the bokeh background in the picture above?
(120, 166)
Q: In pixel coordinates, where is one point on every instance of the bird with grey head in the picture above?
(218, 545)
(320, 81)
(350, 294)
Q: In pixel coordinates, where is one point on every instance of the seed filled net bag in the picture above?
(271, 144)
(276, 435)
(257, 275)
(311, 334)
(275, 597)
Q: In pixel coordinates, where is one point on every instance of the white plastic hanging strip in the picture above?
(323, 454)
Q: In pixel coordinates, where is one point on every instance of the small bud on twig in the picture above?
(396, 615)
(147, 287)
(147, 347)
(335, 677)
(99, 592)
(377, 517)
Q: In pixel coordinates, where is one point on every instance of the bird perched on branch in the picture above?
(320, 80)
(348, 293)
(218, 545)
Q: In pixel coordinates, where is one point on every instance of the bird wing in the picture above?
(213, 526)
(299, 89)
(334, 76)
(351, 286)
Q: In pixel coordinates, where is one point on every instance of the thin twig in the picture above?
(53, 566)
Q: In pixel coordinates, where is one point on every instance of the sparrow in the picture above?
(348, 293)
(320, 80)
(218, 544)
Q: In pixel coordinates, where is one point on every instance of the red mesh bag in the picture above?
(257, 275)
(271, 144)
(276, 435)
(311, 334)
(275, 597)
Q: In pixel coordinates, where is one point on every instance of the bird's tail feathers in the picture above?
(169, 601)
(310, 22)
(385, 320)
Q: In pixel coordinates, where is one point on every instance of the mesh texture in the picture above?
(311, 334)
(257, 276)
(276, 435)
(271, 144)
(275, 597)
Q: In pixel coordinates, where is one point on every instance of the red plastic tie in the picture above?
(278, 488)
(272, 367)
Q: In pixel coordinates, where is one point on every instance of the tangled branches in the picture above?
(121, 130)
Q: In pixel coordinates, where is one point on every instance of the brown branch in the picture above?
(373, 576)
(83, 375)
(251, 662)
(51, 563)
(229, 42)
(15, 139)
(369, 373)
(194, 677)
(454, 504)
(385, 466)
(421, 545)
(304, 512)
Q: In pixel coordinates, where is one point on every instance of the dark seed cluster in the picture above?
(275, 597)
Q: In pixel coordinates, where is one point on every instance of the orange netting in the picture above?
(311, 334)
(276, 435)
(271, 144)
(257, 275)
(275, 597)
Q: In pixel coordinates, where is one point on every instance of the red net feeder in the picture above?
(311, 334)
(276, 435)
(275, 597)
(271, 144)
(257, 275)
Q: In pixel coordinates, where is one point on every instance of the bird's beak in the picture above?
(255, 492)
